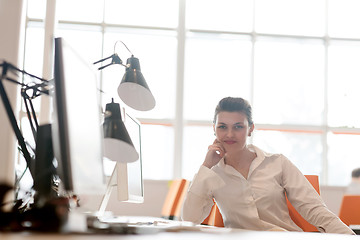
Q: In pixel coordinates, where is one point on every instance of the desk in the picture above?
(184, 235)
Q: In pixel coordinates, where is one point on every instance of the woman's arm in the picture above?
(199, 198)
(308, 203)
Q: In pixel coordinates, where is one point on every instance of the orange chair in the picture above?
(295, 216)
(350, 210)
(174, 199)
(214, 218)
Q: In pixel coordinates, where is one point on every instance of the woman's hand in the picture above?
(216, 152)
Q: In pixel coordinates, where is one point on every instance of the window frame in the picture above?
(178, 123)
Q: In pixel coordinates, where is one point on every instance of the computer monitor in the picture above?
(127, 178)
(76, 128)
(132, 171)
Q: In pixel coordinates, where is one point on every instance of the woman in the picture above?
(248, 184)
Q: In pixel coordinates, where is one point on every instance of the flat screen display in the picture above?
(77, 131)
(129, 175)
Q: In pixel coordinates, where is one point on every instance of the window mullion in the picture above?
(179, 113)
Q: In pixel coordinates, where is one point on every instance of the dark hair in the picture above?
(231, 104)
(355, 173)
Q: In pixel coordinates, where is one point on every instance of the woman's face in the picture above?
(232, 130)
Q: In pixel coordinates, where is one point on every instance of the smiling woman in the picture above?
(233, 124)
(248, 184)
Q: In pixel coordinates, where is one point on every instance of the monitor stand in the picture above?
(119, 180)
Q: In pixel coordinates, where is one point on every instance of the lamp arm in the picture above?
(100, 68)
(13, 121)
(115, 59)
(124, 46)
(10, 113)
(30, 113)
(101, 60)
(10, 67)
(14, 81)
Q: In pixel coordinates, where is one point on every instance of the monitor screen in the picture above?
(129, 175)
(77, 131)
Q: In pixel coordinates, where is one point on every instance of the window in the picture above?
(218, 63)
(295, 17)
(289, 81)
(344, 84)
(296, 61)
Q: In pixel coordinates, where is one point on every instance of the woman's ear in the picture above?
(251, 129)
(214, 130)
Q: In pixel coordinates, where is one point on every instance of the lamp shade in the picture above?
(133, 89)
(117, 142)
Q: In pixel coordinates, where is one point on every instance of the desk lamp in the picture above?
(133, 89)
(117, 142)
(134, 92)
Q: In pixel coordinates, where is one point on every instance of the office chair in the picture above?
(350, 210)
(214, 218)
(174, 199)
(295, 216)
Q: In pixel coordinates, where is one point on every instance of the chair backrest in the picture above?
(350, 210)
(214, 218)
(174, 199)
(295, 216)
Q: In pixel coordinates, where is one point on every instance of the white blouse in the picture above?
(258, 202)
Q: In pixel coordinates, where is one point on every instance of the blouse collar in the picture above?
(260, 156)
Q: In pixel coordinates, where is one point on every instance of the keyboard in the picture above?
(107, 223)
(135, 225)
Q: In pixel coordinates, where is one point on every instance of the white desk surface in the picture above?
(184, 235)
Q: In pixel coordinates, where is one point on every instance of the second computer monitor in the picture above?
(130, 186)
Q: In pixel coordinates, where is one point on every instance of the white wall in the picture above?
(11, 28)
(332, 196)
(155, 193)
